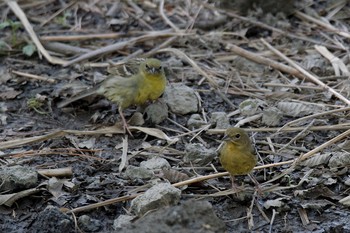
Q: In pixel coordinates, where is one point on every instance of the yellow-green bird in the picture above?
(147, 84)
(237, 155)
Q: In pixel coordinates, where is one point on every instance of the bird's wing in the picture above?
(120, 90)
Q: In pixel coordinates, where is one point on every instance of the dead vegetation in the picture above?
(283, 78)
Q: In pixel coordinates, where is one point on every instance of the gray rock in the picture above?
(272, 116)
(347, 181)
(134, 173)
(250, 107)
(52, 220)
(160, 195)
(17, 178)
(189, 217)
(157, 112)
(195, 121)
(155, 163)
(197, 154)
(122, 221)
(88, 224)
(220, 119)
(181, 99)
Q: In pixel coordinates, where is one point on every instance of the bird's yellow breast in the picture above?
(151, 88)
(237, 160)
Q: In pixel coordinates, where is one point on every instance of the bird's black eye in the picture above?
(147, 67)
(238, 136)
(160, 67)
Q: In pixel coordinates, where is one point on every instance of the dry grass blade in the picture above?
(32, 76)
(322, 24)
(22, 17)
(165, 18)
(124, 157)
(114, 47)
(57, 172)
(338, 65)
(103, 203)
(313, 116)
(311, 77)
(9, 199)
(263, 60)
(287, 129)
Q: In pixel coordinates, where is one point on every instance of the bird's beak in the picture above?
(153, 70)
(225, 138)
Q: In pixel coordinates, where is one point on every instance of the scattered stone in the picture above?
(347, 181)
(197, 154)
(156, 112)
(195, 121)
(181, 99)
(136, 119)
(250, 107)
(160, 195)
(189, 217)
(155, 163)
(17, 178)
(339, 160)
(88, 224)
(220, 119)
(134, 173)
(122, 221)
(52, 220)
(271, 116)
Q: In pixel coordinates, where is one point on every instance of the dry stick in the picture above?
(315, 115)
(192, 63)
(103, 203)
(32, 76)
(116, 130)
(82, 37)
(311, 77)
(119, 45)
(276, 30)
(212, 176)
(165, 18)
(63, 48)
(263, 60)
(58, 12)
(306, 128)
(57, 172)
(287, 129)
(322, 24)
(162, 45)
(22, 17)
(199, 70)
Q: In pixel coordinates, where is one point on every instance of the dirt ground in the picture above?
(279, 72)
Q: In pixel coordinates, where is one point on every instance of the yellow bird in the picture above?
(237, 154)
(147, 84)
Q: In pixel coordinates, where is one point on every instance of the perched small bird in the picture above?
(237, 153)
(147, 84)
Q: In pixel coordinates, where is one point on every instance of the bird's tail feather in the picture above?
(78, 97)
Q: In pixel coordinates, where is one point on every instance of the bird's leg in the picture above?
(257, 185)
(235, 188)
(125, 125)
